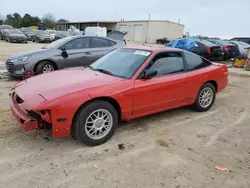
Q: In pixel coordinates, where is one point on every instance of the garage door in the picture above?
(138, 33)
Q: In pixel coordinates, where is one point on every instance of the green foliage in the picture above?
(28, 21)
(17, 21)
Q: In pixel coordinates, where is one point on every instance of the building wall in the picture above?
(138, 31)
(133, 29)
(161, 29)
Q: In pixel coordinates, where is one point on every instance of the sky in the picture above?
(217, 18)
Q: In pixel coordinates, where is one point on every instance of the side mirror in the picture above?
(64, 53)
(150, 73)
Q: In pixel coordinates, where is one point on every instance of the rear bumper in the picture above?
(26, 122)
(232, 54)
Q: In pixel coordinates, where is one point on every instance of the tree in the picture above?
(28, 21)
(62, 21)
(14, 20)
(2, 18)
(9, 20)
(49, 20)
(17, 19)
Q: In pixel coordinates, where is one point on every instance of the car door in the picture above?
(99, 47)
(164, 91)
(77, 53)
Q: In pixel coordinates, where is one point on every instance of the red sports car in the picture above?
(87, 103)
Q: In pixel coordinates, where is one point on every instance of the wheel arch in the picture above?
(110, 100)
(214, 83)
(54, 64)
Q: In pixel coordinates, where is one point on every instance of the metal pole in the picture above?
(148, 27)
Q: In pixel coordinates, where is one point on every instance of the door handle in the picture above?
(87, 53)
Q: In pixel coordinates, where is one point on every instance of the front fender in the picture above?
(62, 111)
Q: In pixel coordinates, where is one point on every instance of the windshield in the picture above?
(52, 32)
(121, 62)
(243, 43)
(40, 32)
(207, 43)
(57, 43)
(6, 27)
(221, 42)
(15, 32)
(65, 33)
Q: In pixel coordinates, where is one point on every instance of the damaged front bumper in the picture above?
(28, 123)
(29, 120)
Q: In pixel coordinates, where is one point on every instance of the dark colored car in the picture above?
(3, 28)
(61, 34)
(66, 52)
(28, 32)
(201, 47)
(29, 35)
(42, 36)
(230, 50)
(15, 36)
(242, 39)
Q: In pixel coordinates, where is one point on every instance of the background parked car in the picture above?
(242, 39)
(15, 36)
(203, 48)
(243, 48)
(42, 36)
(3, 28)
(230, 50)
(51, 32)
(66, 52)
(28, 32)
(61, 34)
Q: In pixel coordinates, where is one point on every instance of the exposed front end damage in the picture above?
(29, 119)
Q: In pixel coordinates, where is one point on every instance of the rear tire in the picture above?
(95, 123)
(205, 98)
(43, 66)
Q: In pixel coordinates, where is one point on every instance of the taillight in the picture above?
(248, 48)
(227, 47)
(209, 50)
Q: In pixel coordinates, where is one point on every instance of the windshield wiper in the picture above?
(104, 71)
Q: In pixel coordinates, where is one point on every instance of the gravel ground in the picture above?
(175, 149)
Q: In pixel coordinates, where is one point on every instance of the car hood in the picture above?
(63, 82)
(17, 35)
(28, 53)
(46, 35)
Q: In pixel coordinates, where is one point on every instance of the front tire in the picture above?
(45, 67)
(205, 98)
(95, 123)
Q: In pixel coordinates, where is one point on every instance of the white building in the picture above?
(138, 31)
(150, 30)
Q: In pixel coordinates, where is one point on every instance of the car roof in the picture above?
(82, 36)
(153, 48)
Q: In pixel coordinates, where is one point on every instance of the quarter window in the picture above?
(100, 43)
(195, 62)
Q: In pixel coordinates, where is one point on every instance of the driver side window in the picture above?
(167, 63)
